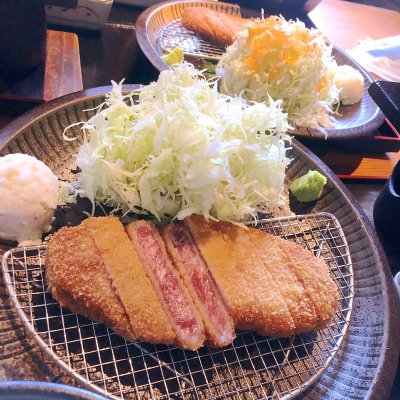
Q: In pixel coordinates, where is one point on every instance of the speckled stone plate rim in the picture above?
(384, 371)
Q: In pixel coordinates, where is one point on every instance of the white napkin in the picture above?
(381, 57)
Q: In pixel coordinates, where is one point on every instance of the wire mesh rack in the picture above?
(253, 367)
(176, 35)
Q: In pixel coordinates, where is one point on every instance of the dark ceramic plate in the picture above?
(158, 28)
(364, 366)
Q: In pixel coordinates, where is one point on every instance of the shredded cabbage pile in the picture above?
(177, 147)
(284, 60)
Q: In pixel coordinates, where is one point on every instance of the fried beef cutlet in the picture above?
(175, 298)
(220, 330)
(130, 281)
(223, 273)
(78, 279)
(252, 296)
(218, 27)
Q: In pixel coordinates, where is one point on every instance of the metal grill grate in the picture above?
(253, 367)
(175, 35)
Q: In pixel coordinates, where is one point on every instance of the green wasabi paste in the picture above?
(308, 187)
(175, 56)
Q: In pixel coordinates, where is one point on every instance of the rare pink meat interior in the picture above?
(174, 296)
(187, 259)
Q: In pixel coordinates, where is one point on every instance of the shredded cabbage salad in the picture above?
(178, 146)
(284, 60)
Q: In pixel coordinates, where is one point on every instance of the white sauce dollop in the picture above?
(350, 83)
(28, 197)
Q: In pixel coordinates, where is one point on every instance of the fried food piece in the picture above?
(130, 281)
(218, 27)
(175, 298)
(188, 261)
(223, 273)
(313, 273)
(78, 280)
(303, 279)
(267, 269)
(253, 298)
(271, 253)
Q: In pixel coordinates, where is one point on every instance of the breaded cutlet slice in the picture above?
(130, 281)
(314, 274)
(173, 294)
(77, 279)
(253, 298)
(269, 251)
(216, 26)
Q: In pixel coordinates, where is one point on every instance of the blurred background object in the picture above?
(387, 208)
(389, 4)
(290, 9)
(36, 64)
(23, 36)
(380, 57)
(88, 14)
(387, 96)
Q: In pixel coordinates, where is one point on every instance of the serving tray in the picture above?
(159, 30)
(365, 363)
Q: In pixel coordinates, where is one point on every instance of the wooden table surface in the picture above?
(345, 23)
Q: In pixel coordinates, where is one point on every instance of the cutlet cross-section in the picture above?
(175, 298)
(253, 298)
(130, 281)
(77, 279)
(188, 261)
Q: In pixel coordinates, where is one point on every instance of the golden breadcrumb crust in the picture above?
(216, 26)
(130, 281)
(78, 280)
(253, 297)
(272, 286)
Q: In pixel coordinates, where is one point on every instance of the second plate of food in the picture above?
(160, 29)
